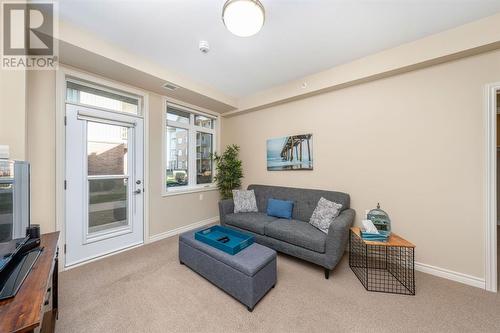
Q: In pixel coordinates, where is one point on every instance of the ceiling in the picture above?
(300, 37)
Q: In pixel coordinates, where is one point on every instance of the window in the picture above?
(189, 144)
(102, 98)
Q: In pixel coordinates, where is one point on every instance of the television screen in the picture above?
(14, 199)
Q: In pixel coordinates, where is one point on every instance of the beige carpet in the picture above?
(146, 290)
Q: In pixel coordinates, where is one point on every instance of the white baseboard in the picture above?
(425, 268)
(451, 275)
(182, 229)
(87, 261)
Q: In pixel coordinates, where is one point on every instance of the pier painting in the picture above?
(290, 153)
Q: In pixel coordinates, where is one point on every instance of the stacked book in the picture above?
(380, 236)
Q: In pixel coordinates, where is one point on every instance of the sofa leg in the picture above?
(249, 309)
(327, 273)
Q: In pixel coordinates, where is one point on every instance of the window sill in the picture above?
(179, 191)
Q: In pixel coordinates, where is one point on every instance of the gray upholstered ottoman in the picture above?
(247, 275)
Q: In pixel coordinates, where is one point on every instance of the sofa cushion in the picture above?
(324, 214)
(244, 201)
(297, 233)
(305, 200)
(254, 222)
(280, 208)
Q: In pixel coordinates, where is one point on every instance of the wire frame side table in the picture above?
(383, 266)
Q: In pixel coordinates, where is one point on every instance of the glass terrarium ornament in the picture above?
(380, 219)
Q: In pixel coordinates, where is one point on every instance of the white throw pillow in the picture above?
(324, 214)
(244, 201)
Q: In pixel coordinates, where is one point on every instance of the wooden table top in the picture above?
(394, 239)
(23, 312)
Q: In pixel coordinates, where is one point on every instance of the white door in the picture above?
(104, 175)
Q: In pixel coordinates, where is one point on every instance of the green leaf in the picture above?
(229, 171)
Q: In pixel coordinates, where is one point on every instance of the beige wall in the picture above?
(165, 213)
(13, 112)
(41, 148)
(413, 142)
(465, 40)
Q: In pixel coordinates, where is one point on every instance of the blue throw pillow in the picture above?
(280, 208)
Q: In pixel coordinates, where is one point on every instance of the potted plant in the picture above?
(229, 171)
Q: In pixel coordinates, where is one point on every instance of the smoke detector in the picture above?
(204, 46)
(170, 86)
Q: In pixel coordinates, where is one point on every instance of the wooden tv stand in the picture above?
(34, 308)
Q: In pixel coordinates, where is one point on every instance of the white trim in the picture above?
(192, 189)
(490, 115)
(82, 115)
(86, 261)
(182, 229)
(145, 182)
(62, 73)
(135, 115)
(181, 107)
(190, 107)
(60, 161)
(150, 239)
(451, 275)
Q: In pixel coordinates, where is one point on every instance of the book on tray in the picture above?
(380, 236)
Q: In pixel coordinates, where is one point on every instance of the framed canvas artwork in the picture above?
(290, 153)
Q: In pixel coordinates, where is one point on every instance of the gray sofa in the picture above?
(294, 237)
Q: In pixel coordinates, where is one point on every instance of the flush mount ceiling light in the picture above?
(243, 18)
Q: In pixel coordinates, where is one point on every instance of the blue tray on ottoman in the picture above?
(224, 239)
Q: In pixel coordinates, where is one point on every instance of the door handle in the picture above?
(138, 191)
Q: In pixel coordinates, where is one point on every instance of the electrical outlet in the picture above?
(201, 196)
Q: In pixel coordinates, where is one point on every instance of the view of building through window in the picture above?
(177, 156)
(203, 158)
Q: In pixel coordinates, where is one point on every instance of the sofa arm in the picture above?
(225, 207)
(337, 238)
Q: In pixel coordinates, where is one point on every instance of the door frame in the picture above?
(61, 74)
(491, 277)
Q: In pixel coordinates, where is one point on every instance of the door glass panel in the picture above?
(203, 158)
(106, 149)
(107, 163)
(107, 204)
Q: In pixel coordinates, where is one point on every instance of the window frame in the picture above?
(192, 154)
(105, 88)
